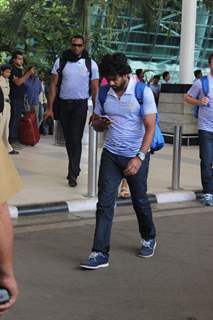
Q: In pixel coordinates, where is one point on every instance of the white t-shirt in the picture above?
(75, 80)
(205, 115)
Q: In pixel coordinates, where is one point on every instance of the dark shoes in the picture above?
(72, 182)
(147, 249)
(13, 152)
(95, 261)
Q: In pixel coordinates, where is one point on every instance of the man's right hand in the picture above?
(204, 101)
(9, 283)
(31, 71)
(48, 114)
(99, 123)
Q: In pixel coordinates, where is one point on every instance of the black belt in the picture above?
(74, 100)
(7, 100)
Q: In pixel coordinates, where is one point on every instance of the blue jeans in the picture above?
(110, 175)
(206, 157)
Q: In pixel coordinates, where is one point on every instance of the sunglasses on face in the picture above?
(77, 45)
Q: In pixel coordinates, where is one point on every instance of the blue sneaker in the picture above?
(148, 248)
(207, 199)
(96, 260)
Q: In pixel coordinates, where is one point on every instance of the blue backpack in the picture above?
(158, 139)
(205, 88)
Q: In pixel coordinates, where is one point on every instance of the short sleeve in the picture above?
(98, 108)
(149, 105)
(196, 90)
(55, 67)
(95, 72)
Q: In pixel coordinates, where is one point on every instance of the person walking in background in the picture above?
(42, 96)
(6, 108)
(75, 74)
(126, 153)
(197, 96)
(166, 77)
(140, 75)
(17, 80)
(198, 74)
(155, 87)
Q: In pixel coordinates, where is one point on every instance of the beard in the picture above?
(121, 87)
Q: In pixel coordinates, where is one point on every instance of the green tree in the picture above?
(42, 28)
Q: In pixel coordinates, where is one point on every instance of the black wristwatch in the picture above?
(141, 155)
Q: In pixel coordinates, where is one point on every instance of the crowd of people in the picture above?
(22, 92)
(126, 152)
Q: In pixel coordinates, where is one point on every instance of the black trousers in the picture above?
(17, 107)
(206, 157)
(73, 115)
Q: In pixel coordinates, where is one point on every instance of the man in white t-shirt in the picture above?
(197, 97)
(74, 76)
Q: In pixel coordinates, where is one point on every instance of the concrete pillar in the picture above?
(187, 43)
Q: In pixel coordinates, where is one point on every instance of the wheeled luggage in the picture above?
(28, 129)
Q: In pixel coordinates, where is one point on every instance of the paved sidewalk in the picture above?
(44, 169)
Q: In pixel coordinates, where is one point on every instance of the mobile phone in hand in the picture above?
(4, 296)
(106, 118)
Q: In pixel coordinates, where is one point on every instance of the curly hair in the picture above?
(114, 64)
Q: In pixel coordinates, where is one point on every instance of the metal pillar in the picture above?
(176, 158)
(92, 163)
(187, 43)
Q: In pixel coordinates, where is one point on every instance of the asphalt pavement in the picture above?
(175, 284)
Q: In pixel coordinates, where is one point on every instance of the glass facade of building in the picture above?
(158, 49)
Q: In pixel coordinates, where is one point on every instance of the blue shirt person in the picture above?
(32, 90)
(196, 96)
(129, 132)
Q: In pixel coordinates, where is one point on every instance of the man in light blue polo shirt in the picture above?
(74, 75)
(196, 97)
(129, 134)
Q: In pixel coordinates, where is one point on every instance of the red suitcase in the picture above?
(28, 129)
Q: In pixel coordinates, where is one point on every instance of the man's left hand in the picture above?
(133, 167)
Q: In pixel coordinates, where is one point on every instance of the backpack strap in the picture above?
(139, 92)
(205, 85)
(62, 63)
(88, 63)
(102, 94)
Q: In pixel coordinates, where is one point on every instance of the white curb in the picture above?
(82, 205)
(13, 212)
(175, 196)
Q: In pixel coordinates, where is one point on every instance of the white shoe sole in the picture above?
(94, 268)
(151, 255)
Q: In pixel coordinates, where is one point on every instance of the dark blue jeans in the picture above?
(110, 175)
(206, 157)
